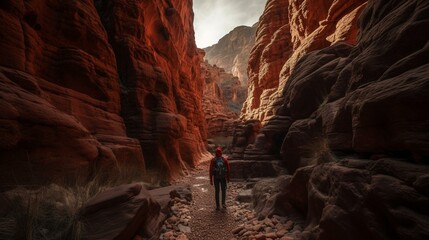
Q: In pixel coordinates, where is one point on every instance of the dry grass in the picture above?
(322, 152)
(46, 213)
(51, 212)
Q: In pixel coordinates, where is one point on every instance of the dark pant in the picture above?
(222, 183)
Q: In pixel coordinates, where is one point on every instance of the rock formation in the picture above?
(86, 85)
(122, 213)
(158, 65)
(232, 51)
(346, 114)
(223, 99)
(286, 32)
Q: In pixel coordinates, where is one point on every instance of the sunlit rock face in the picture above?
(87, 84)
(232, 51)
(158, 66)
(351, 117)
(224, 71)
(360, 98)
(288, 30)
(223, 99)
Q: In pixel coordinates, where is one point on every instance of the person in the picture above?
(219, 175)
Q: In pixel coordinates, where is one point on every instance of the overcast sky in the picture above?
(215, 18)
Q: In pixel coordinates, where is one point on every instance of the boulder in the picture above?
(164, 195)
(121, 213)
(353, 199)
(244, 196)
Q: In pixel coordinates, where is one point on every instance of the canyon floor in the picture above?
(206, 221)
(198, 219)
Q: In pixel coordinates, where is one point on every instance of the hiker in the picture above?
(219, 173)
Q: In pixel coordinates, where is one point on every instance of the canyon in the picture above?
(232, 51)
(335, 110)
(337, 94)
(223, 98)
(98, 86)
(224, 68)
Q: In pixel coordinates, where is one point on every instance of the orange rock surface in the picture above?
(98, 84)
(223, 98)
(287, 30)
(158, 66)
(346, 114)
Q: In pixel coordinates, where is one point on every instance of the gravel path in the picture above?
(199, 220)
(206, 222)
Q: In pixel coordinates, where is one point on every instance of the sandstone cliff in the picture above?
(86, 85)
(346, 113)
(286, 32)
(158, 66)
(232, 51)
(223, 99)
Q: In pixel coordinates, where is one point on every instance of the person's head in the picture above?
(218, 152)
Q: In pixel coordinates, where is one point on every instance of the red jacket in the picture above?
(212, 162)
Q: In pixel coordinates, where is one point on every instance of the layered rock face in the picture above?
(287, 31)
(223, 98)
(67, 84)
(232, 51)
(349, 118)
(158, 67)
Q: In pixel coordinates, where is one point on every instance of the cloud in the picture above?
(215, 18)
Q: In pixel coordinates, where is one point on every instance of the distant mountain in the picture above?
(232, 51)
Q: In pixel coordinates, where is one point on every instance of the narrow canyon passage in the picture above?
(321, 107)
(198, 218)
(206, 222)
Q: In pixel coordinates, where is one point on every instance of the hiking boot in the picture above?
(223, 206)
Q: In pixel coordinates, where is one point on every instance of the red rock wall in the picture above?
(286, 31)
(351, 124)
(367, 99)
(72, 71)
(158, 67)
(223, 98)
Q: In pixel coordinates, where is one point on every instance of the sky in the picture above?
(213, 19)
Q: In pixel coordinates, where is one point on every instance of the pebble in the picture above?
(168, 234)
(271, 235)
(184, 229)
(257, 227)
(177, 225)
(237, 229)
(182, 237)
(273, 228)
(249, 226)
(260, 236)
(289, 225)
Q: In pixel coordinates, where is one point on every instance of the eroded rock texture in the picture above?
(158, 67)
(122, 213)
(232, 51)
(368, 98)
(286, 31)
(355, 199)
(222, 100)
(350, 116)
(67, 85)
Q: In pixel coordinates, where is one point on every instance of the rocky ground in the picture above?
(198, 219)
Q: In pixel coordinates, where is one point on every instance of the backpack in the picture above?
(219, 171)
